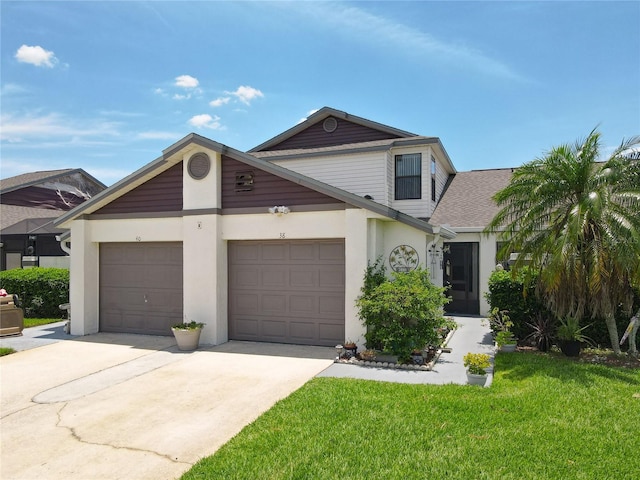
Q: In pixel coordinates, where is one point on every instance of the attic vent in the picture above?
(199, 165)
(244, 181)
(330, 124)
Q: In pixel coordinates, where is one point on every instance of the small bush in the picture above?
(41, 290)
(517, 295)
(403, 314)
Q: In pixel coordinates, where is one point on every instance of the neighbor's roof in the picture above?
(467, 201)
(30, 220)
(175, 153)
(31, 178)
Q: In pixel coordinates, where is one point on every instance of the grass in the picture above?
(6, 351)
(35, 322)
(543, 417)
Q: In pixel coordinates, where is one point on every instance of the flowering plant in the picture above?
(477, 363)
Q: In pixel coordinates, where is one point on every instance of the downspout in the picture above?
(64, 245)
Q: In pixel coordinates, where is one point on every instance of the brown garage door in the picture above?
(287, 291)
(140, 287)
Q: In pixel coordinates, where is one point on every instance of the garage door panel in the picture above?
(273, 329)
(303, 278)
(303, 251)
(303, 331)
(274, 304)
(303, 304)
(301, 296)
(331, 279)
(331, 304)
(245, 277)
(332, 251)
(140, 287)
(248, 328)
(274, 277)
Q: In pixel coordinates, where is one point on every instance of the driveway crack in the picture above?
(75, 435)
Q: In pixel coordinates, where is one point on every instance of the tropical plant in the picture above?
(570, 330)
(542, 331)
(505, 338)
(477, 363)
(576, 220)
(499, 320)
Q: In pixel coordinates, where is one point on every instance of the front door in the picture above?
(461, 275)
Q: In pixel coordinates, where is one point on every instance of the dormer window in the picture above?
(408, 181)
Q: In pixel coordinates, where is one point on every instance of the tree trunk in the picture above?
(633, 350)
(613, 333)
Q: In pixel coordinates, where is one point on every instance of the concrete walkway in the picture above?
(37, 337)
(473, 335)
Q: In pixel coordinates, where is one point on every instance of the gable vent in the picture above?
(330, 124)
(199, 166)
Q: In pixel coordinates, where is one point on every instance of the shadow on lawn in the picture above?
(519, 366)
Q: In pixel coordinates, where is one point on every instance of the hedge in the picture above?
(41, 290)
(507, 292)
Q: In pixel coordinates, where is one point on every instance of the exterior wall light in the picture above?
(279, 210)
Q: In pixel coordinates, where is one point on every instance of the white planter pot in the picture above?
(475, 379)
(508, 347)
(187, 339)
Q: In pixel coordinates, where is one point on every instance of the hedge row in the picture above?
(41, 290)
(518, 296)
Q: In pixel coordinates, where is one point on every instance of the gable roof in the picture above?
(175, 152)
(320, 116)
(467, 201)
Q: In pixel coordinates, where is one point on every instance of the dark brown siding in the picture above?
(160, 194)
(347, 132)
(268, 190)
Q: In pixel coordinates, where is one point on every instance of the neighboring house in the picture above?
(29, 203)
(256, 251)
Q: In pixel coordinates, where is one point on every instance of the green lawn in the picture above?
(35, 322)
(544, 418)
(6, 351)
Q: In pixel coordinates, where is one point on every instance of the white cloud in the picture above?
(382, 32)
(36, 55)
(179, 96)
(159, 91)
(246, 94)
(18, 129)
(218, 102)
(206, 121)
(186, 81)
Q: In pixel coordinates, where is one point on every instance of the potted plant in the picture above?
(368, 355)
(477, 364)
(416, 357)
(570, 336)
(187, 334)
(505, 341)
(350, 349)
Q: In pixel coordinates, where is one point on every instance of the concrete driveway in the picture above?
(112, 406)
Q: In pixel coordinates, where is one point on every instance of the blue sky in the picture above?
(106, 86)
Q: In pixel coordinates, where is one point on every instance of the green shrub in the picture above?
(41, 290)
(403, 314)
(517, 295)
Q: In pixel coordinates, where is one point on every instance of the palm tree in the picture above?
(576, 220)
